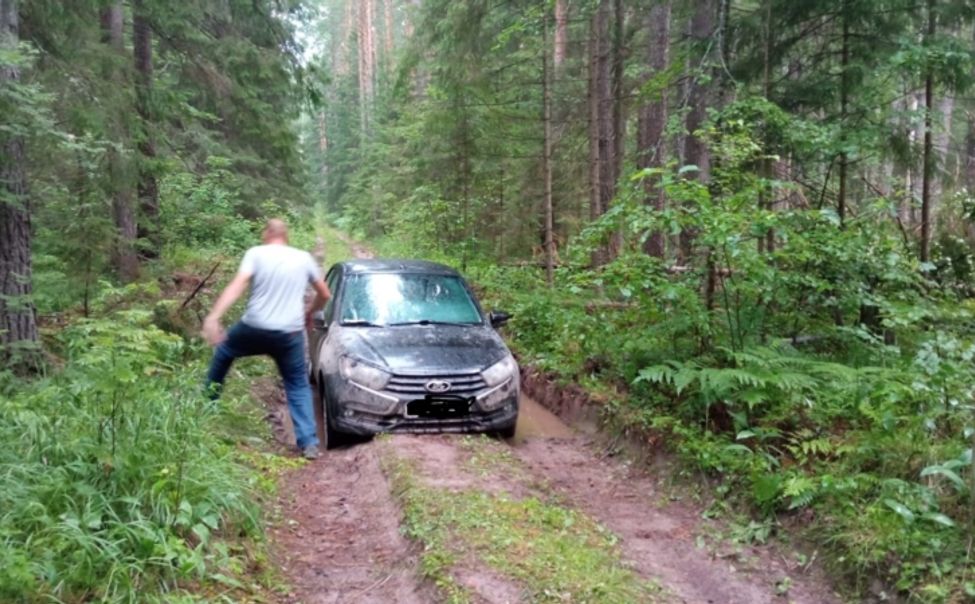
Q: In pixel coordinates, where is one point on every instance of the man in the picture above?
(273, 324)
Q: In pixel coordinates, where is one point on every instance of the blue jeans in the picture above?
(288, 351)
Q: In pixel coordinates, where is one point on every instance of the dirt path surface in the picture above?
(339, 537)
(665, 540)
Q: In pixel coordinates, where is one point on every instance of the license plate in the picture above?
(438, 407)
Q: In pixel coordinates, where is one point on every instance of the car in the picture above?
(404, 346)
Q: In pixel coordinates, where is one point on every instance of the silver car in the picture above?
(403, 346)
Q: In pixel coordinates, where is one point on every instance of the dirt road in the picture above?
(545, 517)
(340, 537)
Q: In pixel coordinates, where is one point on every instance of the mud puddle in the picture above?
(535, 421)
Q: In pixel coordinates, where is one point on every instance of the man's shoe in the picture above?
(311, 452)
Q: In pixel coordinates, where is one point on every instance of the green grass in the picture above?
(555, 553)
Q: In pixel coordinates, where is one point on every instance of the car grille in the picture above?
(460, 384)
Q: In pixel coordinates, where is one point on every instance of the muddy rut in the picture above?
(337, 537)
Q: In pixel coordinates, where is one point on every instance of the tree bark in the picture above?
(695, 150)
(367, 62)
(561, 34)
(388, 33)
(148, 188)
(18, 323)
(547, 158)
(844, 101)
(602, 177)
(124, 256)
(928, 175)
(652, 115)
(597, 28)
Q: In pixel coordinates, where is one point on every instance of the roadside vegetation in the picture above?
(733, 223)
(552, 553)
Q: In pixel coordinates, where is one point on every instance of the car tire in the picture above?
(327, 433)
(508, 432)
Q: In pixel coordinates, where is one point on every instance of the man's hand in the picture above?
(213, 332)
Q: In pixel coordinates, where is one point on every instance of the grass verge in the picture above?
(555, 553)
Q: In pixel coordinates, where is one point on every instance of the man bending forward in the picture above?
(273, 324)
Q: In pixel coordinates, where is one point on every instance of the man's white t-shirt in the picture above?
(280, 275)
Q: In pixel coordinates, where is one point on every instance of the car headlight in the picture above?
(363, 374)
(500, 371)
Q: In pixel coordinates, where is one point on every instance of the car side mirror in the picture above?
(318, 321)
(498, 318)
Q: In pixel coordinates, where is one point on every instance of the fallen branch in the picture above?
(200, 286)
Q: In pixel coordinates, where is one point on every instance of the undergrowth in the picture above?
(116, 474)
(827, 389)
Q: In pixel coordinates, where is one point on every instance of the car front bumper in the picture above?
(359, 410)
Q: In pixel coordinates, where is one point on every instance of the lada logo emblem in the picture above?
(437, 386)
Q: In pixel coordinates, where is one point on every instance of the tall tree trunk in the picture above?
(604, 121)
(18, 324)
(968, 160)
(367, 62)
(148, 188)
(652, 115)
(619, 118)
(942, 151)
(595, 153)
(547, 158)
(388, 33)
(928, 175)
(561, 34)
(124, 256)
(766, 243)
(844, 101)
(695, 150)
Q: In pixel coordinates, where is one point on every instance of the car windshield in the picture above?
(406, 298)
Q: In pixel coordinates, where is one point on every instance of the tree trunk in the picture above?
(547, 158)
(388, 33)
(844, 101)
(367, 62)
(695, 150)
(618, 133)
(596, 151)
(148, 188)
(605, 117)
(561, 34)
(18, 324)
(928, 175)
(124, 256)
(652, 115)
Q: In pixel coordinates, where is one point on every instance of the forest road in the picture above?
(338, 535)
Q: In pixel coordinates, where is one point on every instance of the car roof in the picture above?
(395, 265)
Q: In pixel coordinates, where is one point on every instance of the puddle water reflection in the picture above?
(535, 421)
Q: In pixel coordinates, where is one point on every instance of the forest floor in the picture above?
(550, 516)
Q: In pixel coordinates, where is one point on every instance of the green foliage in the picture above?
(116, 474)
(204, 212)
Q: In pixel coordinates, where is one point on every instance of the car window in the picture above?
(332, 279)
(390, 299)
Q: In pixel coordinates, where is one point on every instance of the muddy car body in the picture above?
(403, 346)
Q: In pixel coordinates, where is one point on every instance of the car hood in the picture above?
(425, 349)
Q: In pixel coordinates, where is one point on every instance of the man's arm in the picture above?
(322, 296)
(212, 331)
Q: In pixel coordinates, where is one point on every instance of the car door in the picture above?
(324, 318)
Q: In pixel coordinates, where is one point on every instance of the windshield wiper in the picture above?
(430, 322)
(361, 323)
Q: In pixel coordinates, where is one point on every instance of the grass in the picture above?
(556, 554)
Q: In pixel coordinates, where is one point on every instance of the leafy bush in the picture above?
(114, 476)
